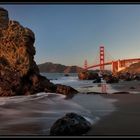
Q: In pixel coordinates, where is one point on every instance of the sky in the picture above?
(70, 33)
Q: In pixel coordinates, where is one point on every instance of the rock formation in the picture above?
(111, 79)
(19, 74)
(70, 125)
(87, 75)
(132, 69)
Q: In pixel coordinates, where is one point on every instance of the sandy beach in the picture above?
(127, 86)
(125, 120)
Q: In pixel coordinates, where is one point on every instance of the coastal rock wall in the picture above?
(19, 74)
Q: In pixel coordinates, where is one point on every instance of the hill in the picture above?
(133, 68)
(50, 67)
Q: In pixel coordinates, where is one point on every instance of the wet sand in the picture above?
(127, 86)
(125, 121)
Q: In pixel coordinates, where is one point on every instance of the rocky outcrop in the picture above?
(66, 90)
(128, 76)
(97, 80)
(70, 125)
(19, 74)
(87, 75)
(110, 79)
(132, 69)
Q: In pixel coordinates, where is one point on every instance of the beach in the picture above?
(109, 114)
(124, 121)
(113, 114)
(81, 62)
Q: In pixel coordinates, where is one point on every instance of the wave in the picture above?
(35, 114)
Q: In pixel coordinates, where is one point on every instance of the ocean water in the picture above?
(35, 114)
(82, 86)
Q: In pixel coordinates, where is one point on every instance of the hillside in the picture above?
(58, 68)
(134, 68)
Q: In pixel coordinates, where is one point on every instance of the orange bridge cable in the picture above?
(96, 58)
(108, 56)
(94, 62)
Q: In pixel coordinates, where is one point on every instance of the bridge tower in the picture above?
(102, 58)
(114, 66)
(85, 64)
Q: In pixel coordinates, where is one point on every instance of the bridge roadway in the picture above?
(116, 61)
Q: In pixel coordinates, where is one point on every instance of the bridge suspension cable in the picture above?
(96, 58)
(108, 56)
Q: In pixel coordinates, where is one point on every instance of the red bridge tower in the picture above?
(102, 56)
(85, 64)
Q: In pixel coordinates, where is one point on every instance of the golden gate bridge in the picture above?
(116, 65)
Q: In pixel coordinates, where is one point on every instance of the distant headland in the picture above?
(50, 67)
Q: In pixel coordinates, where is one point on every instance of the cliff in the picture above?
(133, 68)
(58, 68)
(19, 73)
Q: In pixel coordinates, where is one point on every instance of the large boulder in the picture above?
(19, 74)
(126, 76)
(110, 79)
(71, 124)
(66, 90)
(97, 80)
(87, 75)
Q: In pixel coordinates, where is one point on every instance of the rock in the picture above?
(132, 68)
(4, 19)
(86, 75)
(19, 73)
(83, 75)
(66, 75)
(98, 80)
(123, 92)
(129, 76)
(137, 77)
(9, 81)
(66, 90)
(132, 88)
(70, 125)
(110, 79)
(37, 84)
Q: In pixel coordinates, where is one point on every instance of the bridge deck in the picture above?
(110, 63)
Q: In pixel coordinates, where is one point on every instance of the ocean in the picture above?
(35, 114)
